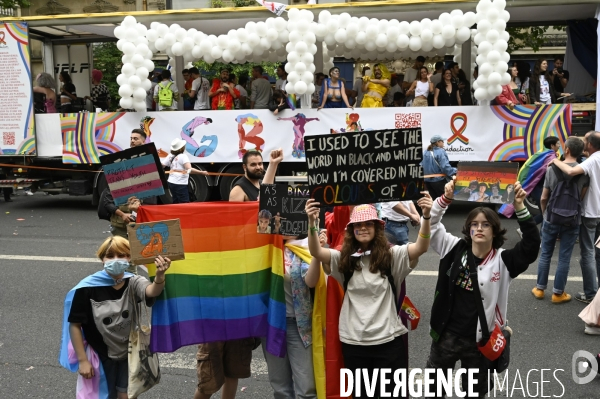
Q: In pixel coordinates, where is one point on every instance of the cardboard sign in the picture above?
(490, 182)
(365, 167)
(134, 172)
(281, 209)
(148, 240)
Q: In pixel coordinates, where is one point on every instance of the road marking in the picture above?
(427, 273)
(49, 258)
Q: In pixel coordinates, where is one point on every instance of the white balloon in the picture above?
(293, 77)
(196, 53)
(272, 34)
(253, 40)
(448, 31)
(137, 60)
(484, 26)
(208, 59)
(492, 36)
(372, 31)
(500, 46)
(485, 69)
(505, 16)
(129, 21)
(162, 30)
(361, 38)
(307, 77)
(152, 35)
(469, 19)
(119, 32)
(475, 85)
(261, 28)
(450, 42)
(301, 48)
(135, 81)
(139, 94)
(188, 44)
(303, 26)
(307, 58)
(478, 39)
(415, 43)
(131, 34)
(128, 48)
(128, 70)
(484, 48)
(426, 46)
(415, 28)
(216, 52)
(493, 56)
(321, 31)
(481, 93)
(499, 4)
(404, 28)
(284, 36)
(505, 56)
(300, 87)
(126, 59)
(436, 26)
(381, 40)
(174, 27)
(402, 41)
(499, 25)
(330, 40)
(125, 90)
(170, 39)
(177, 49)
(227, 56)
(122, 79)
(494, 78)
(126, 102)
(426, 35)
(139, 106)
(180, 34)
(483, 81)
(257, 51)
(463, 34)
(506, 78)
(438, 41)
(391, 47)
(280, 24)
(333, 26)
(300, 68)
(446, 19)
(289, 88)
(484, 5)
(223, 41)
(370, 46)
(234, 46)
(160, 44)
(494, 90)
(265, 44)
(251, 26)
(505, 36)
(290, 47)
(480, 59)
(341, 36)
(458, 21)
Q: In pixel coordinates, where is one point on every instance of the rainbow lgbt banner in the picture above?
(230, 286)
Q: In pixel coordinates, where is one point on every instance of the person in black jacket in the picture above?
(541, 87)
(474, 268)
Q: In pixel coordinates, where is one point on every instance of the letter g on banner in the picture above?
(579, 367)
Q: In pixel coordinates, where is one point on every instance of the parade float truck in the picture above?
(60, 153)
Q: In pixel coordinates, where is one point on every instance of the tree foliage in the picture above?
(14, 3)
(107, 58)
(532, 36)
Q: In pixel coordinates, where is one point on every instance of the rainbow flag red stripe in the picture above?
(230, 286)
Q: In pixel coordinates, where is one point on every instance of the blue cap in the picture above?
(437, 138)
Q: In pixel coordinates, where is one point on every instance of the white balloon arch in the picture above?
(295, 39)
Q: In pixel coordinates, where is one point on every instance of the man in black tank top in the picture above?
(247, 188)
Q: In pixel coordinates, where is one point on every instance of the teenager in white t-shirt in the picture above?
(180, 171)
(369, 327)
(200, 89)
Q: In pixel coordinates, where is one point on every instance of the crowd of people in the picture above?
(366, 250)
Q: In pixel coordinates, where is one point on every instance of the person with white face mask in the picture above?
(102, 308)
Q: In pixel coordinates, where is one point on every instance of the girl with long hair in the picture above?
(421, 88)
(369, 269)
(446, 92)
(510, 91)
(333, 91)
(68, 92)
(541, 89)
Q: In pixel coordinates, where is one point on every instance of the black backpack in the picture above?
(564, 205)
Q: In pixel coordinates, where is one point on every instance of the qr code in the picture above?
(8, 138)
(405, 121)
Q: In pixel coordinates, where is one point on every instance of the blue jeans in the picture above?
(292, 376)
(588, 234)
(179, 193)
(551, 232)
(398, 230)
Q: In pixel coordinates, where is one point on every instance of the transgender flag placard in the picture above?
(135, 172)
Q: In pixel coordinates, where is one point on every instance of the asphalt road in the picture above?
(32, 291)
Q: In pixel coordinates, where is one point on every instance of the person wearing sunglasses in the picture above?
(369, 269)
(474, 268)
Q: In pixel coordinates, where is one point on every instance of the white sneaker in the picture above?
(591, 330)
(28, 192)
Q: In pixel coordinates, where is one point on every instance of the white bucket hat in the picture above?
(177, 144)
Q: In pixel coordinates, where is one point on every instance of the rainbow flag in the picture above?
(530, 174)
(230, 286)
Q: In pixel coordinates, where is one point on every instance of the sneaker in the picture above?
(591, 330)
(520, 233)
(582, 298)
(561, 298)
(28, 192)
(539, 294)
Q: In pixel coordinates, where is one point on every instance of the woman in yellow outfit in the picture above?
(375, 89)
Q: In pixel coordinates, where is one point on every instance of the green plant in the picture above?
(244, 3)
(213, 70)
(532, 36)
(217, 3)
(107, 58)
(14, 3)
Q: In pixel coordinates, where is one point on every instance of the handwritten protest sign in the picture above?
(148, 240)
(365, 167)
(491, 182)
(281, 209)
(134, 172)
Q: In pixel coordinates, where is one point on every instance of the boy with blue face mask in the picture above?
(101, 308)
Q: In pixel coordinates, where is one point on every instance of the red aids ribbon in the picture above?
(458, 133)
(2, 37)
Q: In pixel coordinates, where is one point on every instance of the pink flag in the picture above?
(275, 8)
